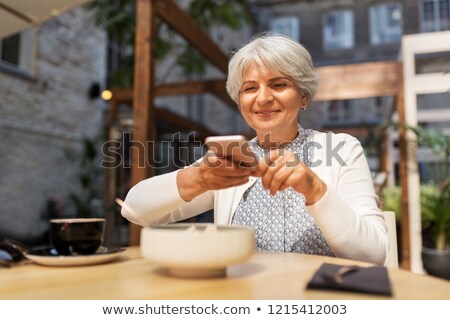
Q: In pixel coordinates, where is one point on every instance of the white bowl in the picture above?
(197, 249)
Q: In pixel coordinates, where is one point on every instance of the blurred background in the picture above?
(66, 107)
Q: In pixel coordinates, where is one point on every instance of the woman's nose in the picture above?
(264, 96)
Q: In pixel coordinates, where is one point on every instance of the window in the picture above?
(333, 112)
(435, 15)
(16, 51)
(288, 26)
(338, 30)
(385, 24)
(341, 111)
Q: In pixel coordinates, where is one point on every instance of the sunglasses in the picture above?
(12, 253)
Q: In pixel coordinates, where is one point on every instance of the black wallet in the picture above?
(373, 280)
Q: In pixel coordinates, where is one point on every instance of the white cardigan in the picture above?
(347, 214)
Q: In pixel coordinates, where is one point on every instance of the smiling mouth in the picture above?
(267, 113)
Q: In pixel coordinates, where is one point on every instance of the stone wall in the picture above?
(42, 115)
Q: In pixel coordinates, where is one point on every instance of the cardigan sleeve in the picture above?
(157, 200)
(348, 213)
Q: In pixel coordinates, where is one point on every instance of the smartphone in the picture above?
(235, 148)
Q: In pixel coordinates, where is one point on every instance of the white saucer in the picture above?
(49, 257)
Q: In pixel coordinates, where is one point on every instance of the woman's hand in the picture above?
(220, 173)
(212, 173)
(281, 169)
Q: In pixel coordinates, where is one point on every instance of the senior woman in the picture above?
(311, 192)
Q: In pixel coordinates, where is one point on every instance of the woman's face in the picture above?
(270, 102)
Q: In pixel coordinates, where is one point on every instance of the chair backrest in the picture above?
(389, 217)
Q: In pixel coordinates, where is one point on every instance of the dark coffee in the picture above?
(80, 236)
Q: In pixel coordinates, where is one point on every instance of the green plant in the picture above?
(435, 208)
(88, 175)
(391, 196)
(390, 199)
(119, 19)
(436, 214)
(438, 141)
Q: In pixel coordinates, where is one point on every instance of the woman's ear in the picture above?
(304, 100)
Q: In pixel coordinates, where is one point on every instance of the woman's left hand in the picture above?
(281, 169)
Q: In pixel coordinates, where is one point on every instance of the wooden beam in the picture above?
(357, 81)
(112, 113)
(161, 114)
(403, 172)
(110, 180)
(215, 87)
(122, 95)
(181, 88)
(165, 90)
(356, 131)
(183, 123)
(144, 115)
(176, 18)
(218, 88)
(383, 157)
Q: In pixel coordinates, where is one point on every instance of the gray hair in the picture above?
(279, 53)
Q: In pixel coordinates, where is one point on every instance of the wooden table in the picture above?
(265, 276)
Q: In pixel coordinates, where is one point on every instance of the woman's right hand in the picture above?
(212, 173)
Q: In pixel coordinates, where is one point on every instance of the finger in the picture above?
(279, 178)
(211, 160)
(284, 186)
(231, 170)
(297, 175)
(293, 161)
(258, 170)
(271, 156)
(224, 167)
(265, 162)
(298, 181)
(271, 171)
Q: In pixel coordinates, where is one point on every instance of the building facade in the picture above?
(49, 82)
(359, 31)
(351, 31)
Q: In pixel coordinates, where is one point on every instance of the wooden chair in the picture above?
(389, 217)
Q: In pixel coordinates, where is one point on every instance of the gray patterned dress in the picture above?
(282, 222)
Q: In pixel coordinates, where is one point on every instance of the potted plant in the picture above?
(436, 207)
(436, 230)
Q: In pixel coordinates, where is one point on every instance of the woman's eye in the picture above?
(279, 85)
(249, 89)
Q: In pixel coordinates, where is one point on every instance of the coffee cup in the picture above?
(77, 236)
